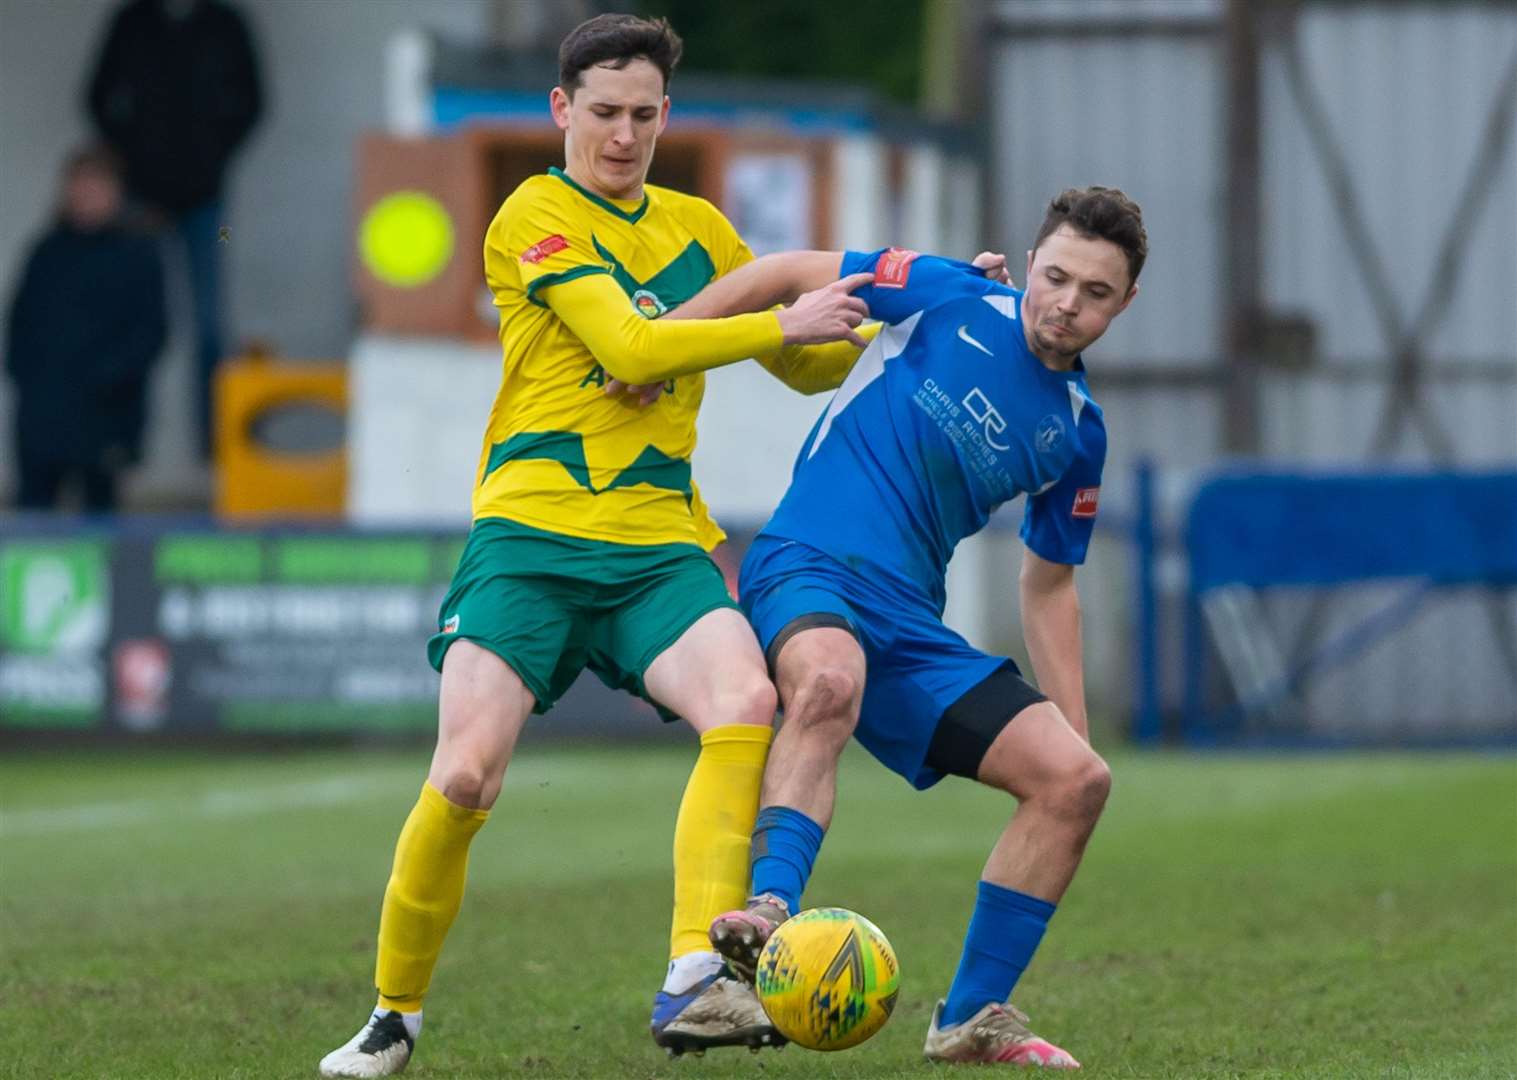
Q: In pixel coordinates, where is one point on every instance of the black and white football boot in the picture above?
(381, 1048)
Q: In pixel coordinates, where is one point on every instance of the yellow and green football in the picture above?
(828, 979)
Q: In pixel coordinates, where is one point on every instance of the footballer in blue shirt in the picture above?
(972, 394)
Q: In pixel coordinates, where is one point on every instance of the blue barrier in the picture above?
(1262, 531)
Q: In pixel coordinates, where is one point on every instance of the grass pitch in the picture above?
(195, 916)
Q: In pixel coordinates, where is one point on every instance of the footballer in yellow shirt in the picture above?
(579, 279)
(589, 544)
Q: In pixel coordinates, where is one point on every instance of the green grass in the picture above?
(195, 916)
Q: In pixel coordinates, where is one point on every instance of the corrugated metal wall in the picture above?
(1406, 93)
(1134, 94)
(1141, 115)
(1388, 102)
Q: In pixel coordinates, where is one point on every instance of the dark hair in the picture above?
(617, 40)
(1102, 213)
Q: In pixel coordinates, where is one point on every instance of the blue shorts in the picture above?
(917, 667)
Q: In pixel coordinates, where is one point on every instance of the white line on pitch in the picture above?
(231, 803)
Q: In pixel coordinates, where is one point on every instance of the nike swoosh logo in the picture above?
(964, 336)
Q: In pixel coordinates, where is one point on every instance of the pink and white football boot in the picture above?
(997, 1033)
(741, 935)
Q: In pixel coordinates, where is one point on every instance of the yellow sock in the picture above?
(425, 890)
(712, 833)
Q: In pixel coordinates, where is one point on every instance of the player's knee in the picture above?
(1096, 785)
(468, 773)
(1083, 788)
(464, 783)
(752, 701)
(826, 703)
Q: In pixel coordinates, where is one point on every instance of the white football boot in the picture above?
(381, 1048)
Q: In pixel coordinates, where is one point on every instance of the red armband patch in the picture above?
(543, 248)
(1085, 502)
(893, 268)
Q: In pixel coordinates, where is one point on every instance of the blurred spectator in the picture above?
(175, 92)
(86, 325)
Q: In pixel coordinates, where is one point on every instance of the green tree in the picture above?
(877, 44)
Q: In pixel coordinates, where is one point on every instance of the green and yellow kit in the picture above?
(580, 282)
(589, 532)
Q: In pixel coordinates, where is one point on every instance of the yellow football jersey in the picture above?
(558, 454)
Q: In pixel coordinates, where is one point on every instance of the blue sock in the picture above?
(1003, 934)
(785, 843)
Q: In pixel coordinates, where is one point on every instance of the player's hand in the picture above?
(643, 395)
(830, 313)
(994, 265)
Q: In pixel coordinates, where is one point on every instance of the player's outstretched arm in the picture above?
(1051, 628)
(807, 281)
(782, 277)
(813, 369)
(638, 350)
(763, 283)
(811, 366)
(830, 313)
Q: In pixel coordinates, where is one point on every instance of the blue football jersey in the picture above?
(944, 417)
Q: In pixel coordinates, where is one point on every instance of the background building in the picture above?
(1329, 188)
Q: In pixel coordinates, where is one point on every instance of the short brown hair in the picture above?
(1102, 213)
(616, 41)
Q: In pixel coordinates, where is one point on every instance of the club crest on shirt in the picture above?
(548, 245)
(648, 305)
(1050, 433)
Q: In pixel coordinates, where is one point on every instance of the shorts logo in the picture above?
(893, 268)
(1050, 433)
(451, 626)
(648, 305)
(1085, 502)
(548, 245)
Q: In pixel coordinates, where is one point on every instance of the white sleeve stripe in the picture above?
(887, 345)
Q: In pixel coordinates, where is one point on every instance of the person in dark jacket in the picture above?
(86, 325)
(175, 92)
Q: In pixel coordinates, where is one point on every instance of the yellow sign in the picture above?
(406, 239)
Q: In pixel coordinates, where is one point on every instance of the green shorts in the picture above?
(551, 605)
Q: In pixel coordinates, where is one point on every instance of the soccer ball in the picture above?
(828, 979)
